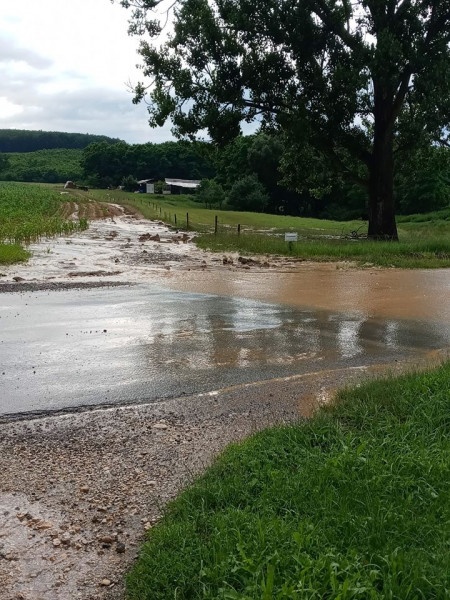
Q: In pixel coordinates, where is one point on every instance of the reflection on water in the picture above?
(128, 344)
(404, 294)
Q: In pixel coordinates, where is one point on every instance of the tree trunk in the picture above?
(382, 224)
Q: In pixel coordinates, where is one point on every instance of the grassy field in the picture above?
(27, 213)
(352, 504)
(424, 239)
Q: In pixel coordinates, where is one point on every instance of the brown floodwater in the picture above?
(404, 294)
(188, 323)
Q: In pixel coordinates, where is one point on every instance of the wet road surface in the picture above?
(141, 343)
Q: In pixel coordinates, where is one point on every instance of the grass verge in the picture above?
(421, 253)
(424, 239)
(352, 504)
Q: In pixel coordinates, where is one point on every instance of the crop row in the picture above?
(29, 212)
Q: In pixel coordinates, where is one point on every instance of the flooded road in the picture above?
(388, 293)
(141, 343)
(189, 352)
(186, 321)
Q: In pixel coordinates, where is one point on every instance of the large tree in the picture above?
(356, 80)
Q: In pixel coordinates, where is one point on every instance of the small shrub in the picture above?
(248, 194)
(129, 183)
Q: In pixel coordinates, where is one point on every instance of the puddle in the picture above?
(145, 343)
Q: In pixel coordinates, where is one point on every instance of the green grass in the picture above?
(437, 215)
(423, 253)
(352, 504)
(202, 219)
(12, 253)
(29, 212)
(424, 239)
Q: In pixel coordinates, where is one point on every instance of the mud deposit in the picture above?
(171, 353)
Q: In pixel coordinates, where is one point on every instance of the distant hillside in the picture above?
(23, 140)
(43, 166)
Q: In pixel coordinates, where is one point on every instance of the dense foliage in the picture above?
(353, 85)
(105, 164)
(23, 140)
(42, 166)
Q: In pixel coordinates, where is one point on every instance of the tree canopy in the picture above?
(25, 140)
(357, 84)
(105, 164)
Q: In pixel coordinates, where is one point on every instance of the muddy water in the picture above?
(191, 323)
(145, 343)
(112, 250)
(388, 293)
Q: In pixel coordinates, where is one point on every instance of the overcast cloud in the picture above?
(64, 66)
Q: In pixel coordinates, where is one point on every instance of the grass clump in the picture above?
(352, 504)
(12, 253)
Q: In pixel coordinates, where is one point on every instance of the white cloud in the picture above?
(10, 52)
(64, 67)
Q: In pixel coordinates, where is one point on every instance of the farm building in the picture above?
(147, 186)
(173, 186)
(182, 186)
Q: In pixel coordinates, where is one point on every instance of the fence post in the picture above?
(175, 217)
(187, 220)
(215, 225)
(160, 211)
(239, 229)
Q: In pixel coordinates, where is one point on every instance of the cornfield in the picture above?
(29, 212)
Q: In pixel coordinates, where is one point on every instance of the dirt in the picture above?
(79, 491)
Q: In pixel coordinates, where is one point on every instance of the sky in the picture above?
(64, 66)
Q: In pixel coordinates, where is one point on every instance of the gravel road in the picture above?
(80, 490)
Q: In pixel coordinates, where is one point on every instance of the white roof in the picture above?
(184, 183)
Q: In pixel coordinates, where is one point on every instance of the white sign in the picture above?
(291, 237)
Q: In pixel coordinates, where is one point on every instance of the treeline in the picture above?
(43, 166)
(23, 140)
(262, 173)
(107, 165)
(244, 175)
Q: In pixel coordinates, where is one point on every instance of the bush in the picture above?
(160, 187)
(211, 193)
(248, 194)
(129, 183)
